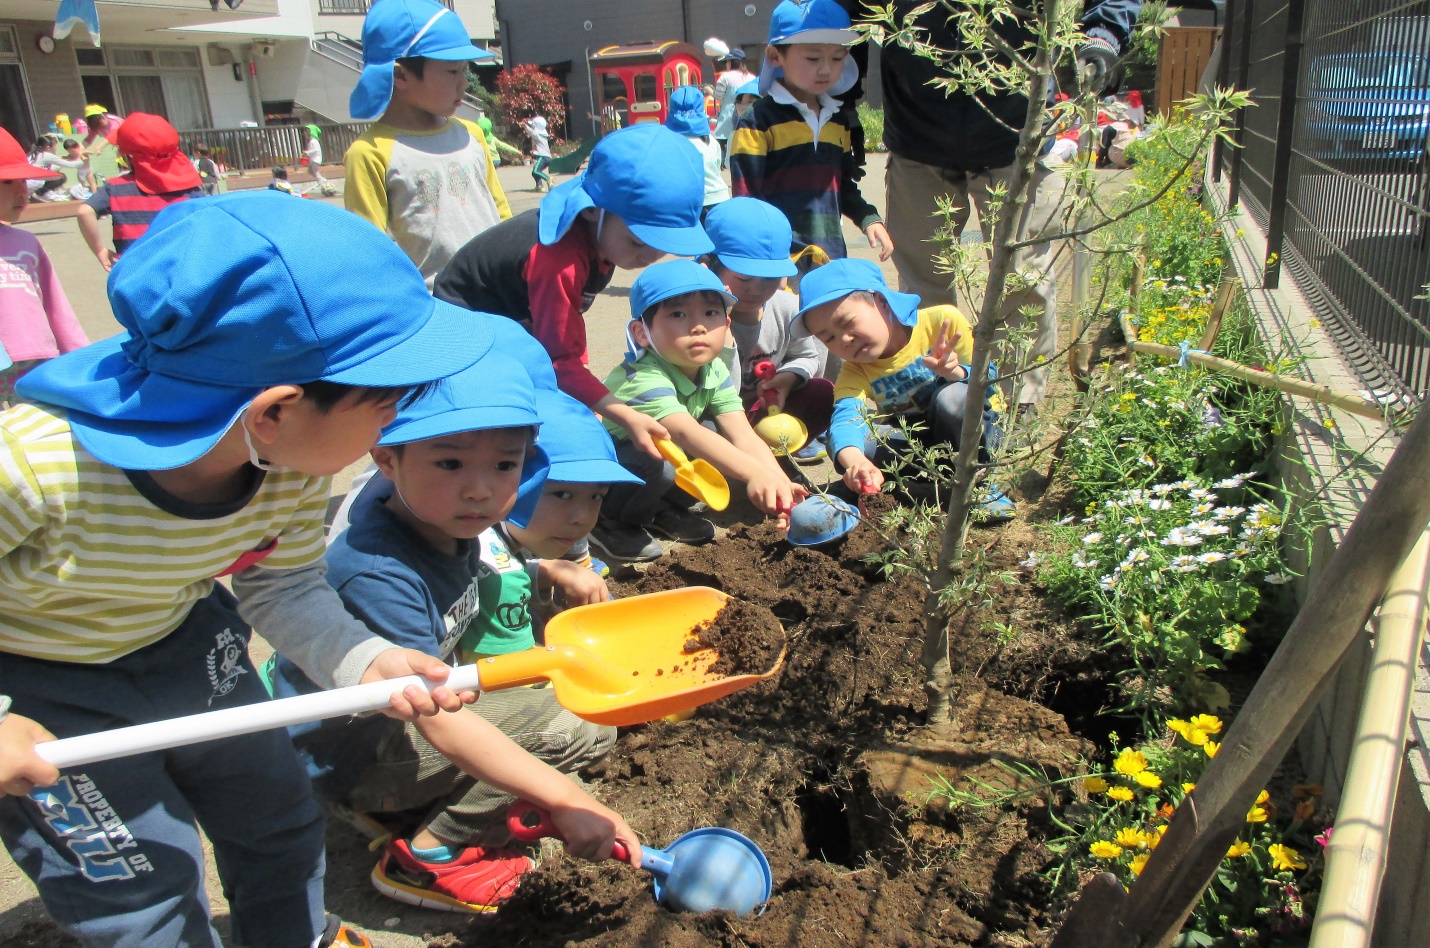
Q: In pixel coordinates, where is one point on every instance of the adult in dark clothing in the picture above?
(950, 145)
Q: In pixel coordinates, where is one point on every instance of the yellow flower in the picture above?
(1188, 787)
(1129, 762)
(1094, 784)
(1238, 848)
(1315, 324)
(1102, 849)
(1189, 732)
(1149, 780)
(1257, 815)
(1138, 862)
(1285, 858)
(1211, 747)
(1119, 793)
(1262, 797)
(1208, 723)
(1130, 838)
(1330, 422)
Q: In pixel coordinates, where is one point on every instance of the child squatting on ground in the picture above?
(673, 372)
(638, 199)
(198, 444)
(424, 562)
(908, 362)
(751, 258)
(36, 322)
(793, 147)
(159, 175)
(418, 173)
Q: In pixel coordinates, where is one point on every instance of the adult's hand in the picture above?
(414, 702)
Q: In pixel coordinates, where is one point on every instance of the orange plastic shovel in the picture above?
(697, 478)
(619, 663)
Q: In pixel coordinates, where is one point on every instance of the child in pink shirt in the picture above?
(36, 322)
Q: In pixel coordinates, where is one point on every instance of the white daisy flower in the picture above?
(1088, 520)
(1212, 556)
(1278, 578)
(1229, 513)
(1180, 536)
(1214, 529)
(1032, 560)
(1081, 563)
(1084, 441)
(1201, 493)
(1066, 520)
(1148, 401)
(1144, 459)
(1185, 485)
(1147, 534)
(1137, 521)
(1228, 483)
(1184, 564)
(1107, 583)
(1159, 504)
(1201, 510)
(1091, 538)
(1160, 489)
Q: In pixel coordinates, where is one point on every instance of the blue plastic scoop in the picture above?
(702, 871)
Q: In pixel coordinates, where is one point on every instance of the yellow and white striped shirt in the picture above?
(91, 570)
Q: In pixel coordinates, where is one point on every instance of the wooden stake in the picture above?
(1224, 296)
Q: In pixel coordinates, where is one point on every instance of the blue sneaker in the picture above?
(600, 568)
(999, 508)
(811, 453)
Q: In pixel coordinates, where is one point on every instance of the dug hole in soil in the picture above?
(818, 767)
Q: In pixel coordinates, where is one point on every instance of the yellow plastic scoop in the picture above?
(697, 478)
(619, 663)
(624, 662)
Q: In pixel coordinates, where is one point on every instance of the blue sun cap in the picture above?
(751, 237)
(207, 331)
(811, 21)
(750, 88)
(662, 281)
(494, 392)
(397, 29)
(577, 445)
(687, 112)
(646, 174)
(837, 279)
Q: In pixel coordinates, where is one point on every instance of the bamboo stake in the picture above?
(1134, 290)
(1326, 628)
(1345, 401)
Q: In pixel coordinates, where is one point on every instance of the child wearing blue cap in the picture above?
(688, 118)
(419, 173)
(194, 445)
(583, 466)
(416, 563)
(673, 372)
(909, 362)
(795, 147)
(751, 258)
(638, 200)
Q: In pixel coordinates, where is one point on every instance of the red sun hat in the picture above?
(152, 145)
(15, 164)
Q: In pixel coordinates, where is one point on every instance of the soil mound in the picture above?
(820, 768)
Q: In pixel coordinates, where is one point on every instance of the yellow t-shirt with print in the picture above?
(894, 384)
(432, 191)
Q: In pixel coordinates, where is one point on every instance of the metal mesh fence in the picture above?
(1340, 176)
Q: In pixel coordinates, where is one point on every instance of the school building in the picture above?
(266, 63)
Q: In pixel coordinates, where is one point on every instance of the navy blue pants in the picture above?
(114, 847)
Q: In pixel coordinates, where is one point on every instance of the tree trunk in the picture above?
(939, 681)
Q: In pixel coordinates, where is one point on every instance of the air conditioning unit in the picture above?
(265, 50)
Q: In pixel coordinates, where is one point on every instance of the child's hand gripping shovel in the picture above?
(704, 870)
(697, 478)
(619, 663)
(785, 434)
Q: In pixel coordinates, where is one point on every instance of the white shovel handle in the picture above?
(231, 722)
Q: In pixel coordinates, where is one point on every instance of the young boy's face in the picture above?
(616, 244)
(809, 68)
(322, 443)
(438, 92)
(751, 291)
(455, 486)
(566, 512)
(687, 331)
(854, 329)
(14, 195)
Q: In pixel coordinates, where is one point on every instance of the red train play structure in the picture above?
(634, 82)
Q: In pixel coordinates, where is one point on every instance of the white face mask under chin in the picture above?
(253, 457)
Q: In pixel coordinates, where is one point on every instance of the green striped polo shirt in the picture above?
(654, 387)
(91, 570)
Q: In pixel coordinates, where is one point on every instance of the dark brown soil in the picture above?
(819, 766)
(747, 639)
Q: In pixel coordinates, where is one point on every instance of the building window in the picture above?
(167, 81)
(15, 112)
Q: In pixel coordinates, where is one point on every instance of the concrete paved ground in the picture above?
(395, 925)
